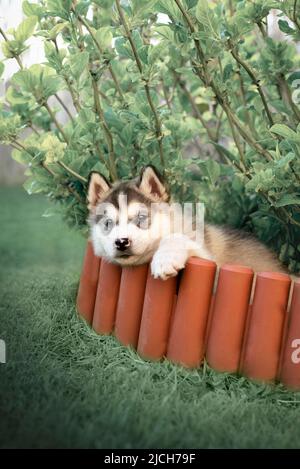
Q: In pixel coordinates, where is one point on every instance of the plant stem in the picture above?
(64, 106)
(236, 141)
(110, 68)
(262, 30)
(68, 83)
(57, 124)
(201, 72)
(295, 19)
(16, 57)
(70, 171)
(158, 126)
(287, 93)
(255, 81)
(243, 93)
(166, 97)
(4, 35)
(204, 75)
(19, 146)
(196, 110)
(106, 130)
(101, 156)
(72, 92)
(34, 129)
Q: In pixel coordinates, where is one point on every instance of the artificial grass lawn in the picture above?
(64, 386)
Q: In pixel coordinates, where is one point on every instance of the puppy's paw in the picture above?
(166, 264)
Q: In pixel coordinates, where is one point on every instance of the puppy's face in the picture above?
(128, 219)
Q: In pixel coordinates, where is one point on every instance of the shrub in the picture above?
(203, 93)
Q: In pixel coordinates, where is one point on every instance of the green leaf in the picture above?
(14, 97)
(285, 27)
(1, 68)
(25, 29)
(288, 199)
(78, 63)
(212, 170)
(21, 157)
(32, 9)
(51, 212)
(53, 33)
(59, 8)
(33, 186)
(225, 151)
(122, 48)
(286, 132)
(207, 19)
(104, 37)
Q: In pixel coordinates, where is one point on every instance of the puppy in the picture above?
(135, 222)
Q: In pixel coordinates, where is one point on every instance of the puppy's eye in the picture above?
(108, 224)
(141, 221)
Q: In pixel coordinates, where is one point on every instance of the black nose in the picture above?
(122, 244)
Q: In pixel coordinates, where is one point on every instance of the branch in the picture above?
(111, 71)
(158, 126)
(295, 19)
(68, 83)
(287, 93)
(19, 146)
(243, 93)
(16, 57)
(57, 124)
(72, 172)
(208, 81)
(64, 107)
(195, 109)
(255, 81)
(107, 132)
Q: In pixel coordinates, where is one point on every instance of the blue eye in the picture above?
(108, 224)
(142, 221)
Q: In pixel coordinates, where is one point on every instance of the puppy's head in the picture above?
(128, 219)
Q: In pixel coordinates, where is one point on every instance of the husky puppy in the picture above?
(134, 222)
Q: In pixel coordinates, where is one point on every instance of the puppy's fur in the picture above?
(133, 222)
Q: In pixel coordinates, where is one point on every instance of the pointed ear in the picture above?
(152, 185)
(97, 187)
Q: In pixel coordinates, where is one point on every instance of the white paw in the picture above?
(166, 264)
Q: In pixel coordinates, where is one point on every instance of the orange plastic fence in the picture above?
(184, 320)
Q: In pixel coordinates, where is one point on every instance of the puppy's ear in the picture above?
(97, 187)
(151, 183)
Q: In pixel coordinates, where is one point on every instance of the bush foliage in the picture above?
(197, 88)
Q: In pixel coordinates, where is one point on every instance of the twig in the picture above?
(68, 83)
(236, 141)
(34, 129)
(19, 146)
(254, 79)
(57, 124)
(107, 132)
(201, 72)
(72, 172)
(158, 126)
(243, 93)
(196, 110)
(16, 57)
(295, 19)
(287, 93)
(64, 106)
(111, 71)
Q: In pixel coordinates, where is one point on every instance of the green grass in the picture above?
(64, 386)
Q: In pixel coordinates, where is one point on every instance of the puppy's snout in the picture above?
(122, 244)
